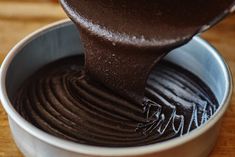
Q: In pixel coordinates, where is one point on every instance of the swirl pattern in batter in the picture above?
(61, 100)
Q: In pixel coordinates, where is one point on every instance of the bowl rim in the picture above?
(97, 150)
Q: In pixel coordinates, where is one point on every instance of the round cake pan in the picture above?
(61, 40)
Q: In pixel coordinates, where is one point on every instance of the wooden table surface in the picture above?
(20, 17)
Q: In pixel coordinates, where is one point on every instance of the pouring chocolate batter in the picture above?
(118, 98)
(124, 39)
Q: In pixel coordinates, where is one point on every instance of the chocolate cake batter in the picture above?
(60, 99)
(107, 102)
(124, 39)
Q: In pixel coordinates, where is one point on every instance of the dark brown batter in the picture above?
(107, 101)
(62, 101)
(123, 39)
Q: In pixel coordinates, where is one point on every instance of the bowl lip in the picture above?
(97, 150)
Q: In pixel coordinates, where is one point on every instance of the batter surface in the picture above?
(62, 101)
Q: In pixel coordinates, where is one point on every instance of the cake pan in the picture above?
(62, 39)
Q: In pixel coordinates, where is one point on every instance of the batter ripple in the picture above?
(61, 100)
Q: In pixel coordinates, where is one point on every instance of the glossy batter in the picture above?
(62, 101)
(113, 96)
(124, 39)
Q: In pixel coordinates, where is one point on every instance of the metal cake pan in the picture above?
(61, 39)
